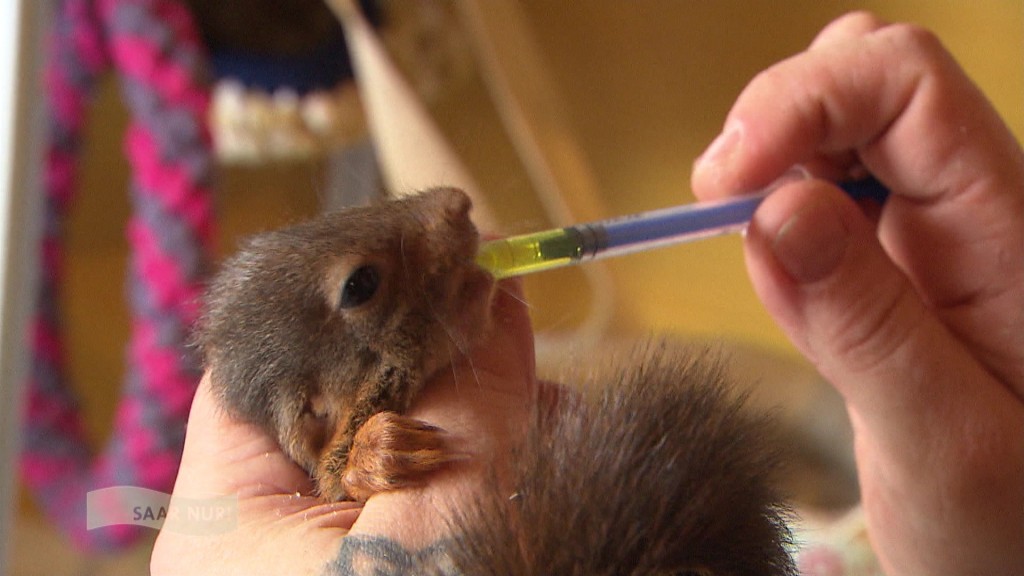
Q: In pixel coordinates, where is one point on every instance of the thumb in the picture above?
(817, 265)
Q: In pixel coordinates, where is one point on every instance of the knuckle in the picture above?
(849, 26)
(915, 42)
(861, 20)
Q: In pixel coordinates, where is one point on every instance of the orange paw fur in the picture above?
(390, 452)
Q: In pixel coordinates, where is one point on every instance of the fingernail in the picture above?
(721, 149)
(796, 173)
(810, 245)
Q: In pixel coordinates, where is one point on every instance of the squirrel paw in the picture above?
(389, 452)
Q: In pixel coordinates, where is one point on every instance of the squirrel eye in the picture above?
(360, 286)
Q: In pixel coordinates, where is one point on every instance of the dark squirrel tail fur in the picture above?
(661, 471)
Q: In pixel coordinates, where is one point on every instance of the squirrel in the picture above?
(323, 333)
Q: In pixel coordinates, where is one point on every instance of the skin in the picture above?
(916, 318)
(916, 315)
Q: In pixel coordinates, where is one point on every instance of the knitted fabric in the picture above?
(154, 48)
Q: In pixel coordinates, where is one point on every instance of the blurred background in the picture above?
(642, 87)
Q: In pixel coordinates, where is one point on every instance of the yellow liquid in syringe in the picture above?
(528, 253)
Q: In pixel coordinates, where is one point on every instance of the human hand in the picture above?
(918, 318)
(283, 529)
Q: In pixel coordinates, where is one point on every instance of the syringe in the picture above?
(528, 253)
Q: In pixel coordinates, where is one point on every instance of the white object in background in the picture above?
(412, 152)
(22, 23)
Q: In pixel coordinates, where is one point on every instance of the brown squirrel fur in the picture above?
(661, 473)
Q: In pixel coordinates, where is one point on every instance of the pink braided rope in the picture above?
(154, 47)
